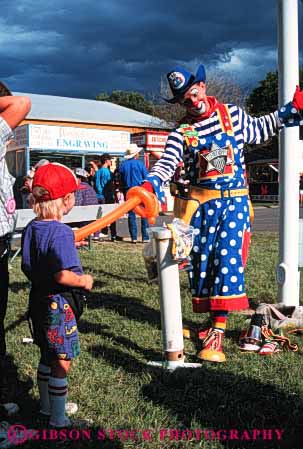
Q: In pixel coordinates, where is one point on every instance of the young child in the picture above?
(51, 263)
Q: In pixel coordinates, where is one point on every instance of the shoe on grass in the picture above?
(11, 408)
(76, 423)
(270, 348)
(247, 344)
(212, 347)
(70, 409)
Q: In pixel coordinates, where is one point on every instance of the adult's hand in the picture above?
(298, 99)
(156, 184)
(148, 186)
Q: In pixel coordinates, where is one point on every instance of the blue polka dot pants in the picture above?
(217, 277)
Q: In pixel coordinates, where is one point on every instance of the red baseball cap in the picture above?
(57, 179)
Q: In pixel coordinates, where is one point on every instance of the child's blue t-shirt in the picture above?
(48, 247)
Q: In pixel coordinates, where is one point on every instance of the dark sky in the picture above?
(84, 47)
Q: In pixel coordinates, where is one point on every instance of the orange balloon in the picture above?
(149, 204)
(134, 199)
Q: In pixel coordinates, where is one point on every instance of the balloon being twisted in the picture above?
(144, 203)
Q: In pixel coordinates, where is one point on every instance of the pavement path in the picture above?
(266, 219)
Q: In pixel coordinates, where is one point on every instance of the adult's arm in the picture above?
(14, 109)
(260, 129)
(165, 167)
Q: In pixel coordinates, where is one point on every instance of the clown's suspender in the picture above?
(225, 119)
(185, 206)
(226, 124)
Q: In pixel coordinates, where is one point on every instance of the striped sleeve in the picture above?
(166, 166)
(258, 129)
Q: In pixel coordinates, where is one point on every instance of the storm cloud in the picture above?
(79, 49)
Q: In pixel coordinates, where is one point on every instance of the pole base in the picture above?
(171, 366)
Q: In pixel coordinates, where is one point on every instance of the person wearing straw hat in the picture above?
(211, 142)
(132, 173)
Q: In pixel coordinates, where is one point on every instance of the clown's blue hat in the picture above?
(180, 80)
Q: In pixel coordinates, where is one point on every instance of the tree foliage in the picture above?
(264, 98)
(261, 101)
(128, 99)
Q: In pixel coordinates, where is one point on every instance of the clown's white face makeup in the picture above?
(195, 100)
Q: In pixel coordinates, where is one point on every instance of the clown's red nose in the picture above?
(195, 103)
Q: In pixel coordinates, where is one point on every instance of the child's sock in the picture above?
(57, 389)
(219, 320)
(43, 374)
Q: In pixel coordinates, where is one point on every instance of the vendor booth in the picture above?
(72, 146)
(153, 143)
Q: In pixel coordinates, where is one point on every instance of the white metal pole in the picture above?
(170, 298)
(288, 59)
(170, 303)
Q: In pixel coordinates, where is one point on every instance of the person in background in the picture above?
(51, 263)
(119, 195)
(27, 184)
(104, 186)
(12, 111)
(87, 195)
(25, 191)
(132, 173)
(38, 164)
(92, 168)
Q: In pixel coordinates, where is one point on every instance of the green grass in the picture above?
(121, 332)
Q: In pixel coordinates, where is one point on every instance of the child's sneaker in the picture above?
(77, 423)
(70, 409)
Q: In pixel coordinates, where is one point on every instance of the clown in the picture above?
(210, 143)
